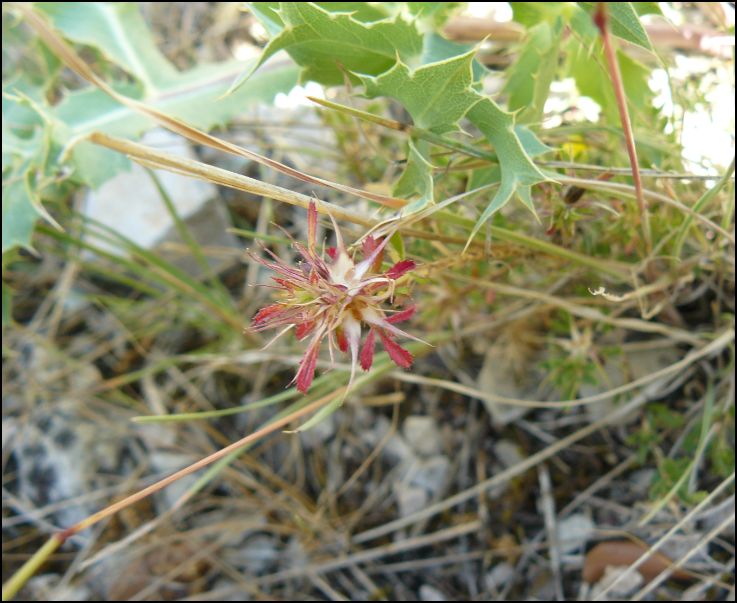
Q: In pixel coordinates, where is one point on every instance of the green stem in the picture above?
(703, 200)
(422, 133)
(30, 567)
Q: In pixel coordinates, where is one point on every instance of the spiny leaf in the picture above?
(193, 96)
(416, 180)
(436, 95)
(588, 68)
(623, 22)
(268, 12)
(330, 45)
(436, 48)
(529, 78)
(118, 31)
(436, 12)
(530, 14)
(518, 172)
(7, 305)
(24, 159)
(20, 212)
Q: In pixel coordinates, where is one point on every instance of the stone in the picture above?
(131, 205)
(422, 434)
(573, 532)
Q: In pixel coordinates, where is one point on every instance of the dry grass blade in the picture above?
(528, 463)
(16, 582)
(74, 62)
(668, 535)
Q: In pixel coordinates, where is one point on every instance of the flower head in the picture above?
(337, 299)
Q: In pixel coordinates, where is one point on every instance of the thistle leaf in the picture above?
(518, 173)
(330, 45)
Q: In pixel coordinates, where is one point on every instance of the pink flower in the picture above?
(337, 298)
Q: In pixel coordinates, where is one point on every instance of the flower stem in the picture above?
(601, 20)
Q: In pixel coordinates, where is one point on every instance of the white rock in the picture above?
(319, 433)
(624, 369)
(409, 498)
(254, 555)
(430, 474)
(131, 205)
(398, 450)
(500, 374)
(573, 532)
(430, 593)
(422, 434)
(498, 576)
(508, 453)
(169, 462)
(625, 587)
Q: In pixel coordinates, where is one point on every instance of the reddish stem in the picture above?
(601, 21)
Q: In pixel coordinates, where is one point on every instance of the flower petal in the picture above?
(342, 341)
(267, 313)
(400, 268)
(369, 246)
(306, 372)
(363, 267)
(352, 329)
(397, 353)
(405, 314)
(367, 352)
(303, 329)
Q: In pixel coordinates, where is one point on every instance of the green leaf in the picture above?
(435, 12)
(647, 8)
(623, 22)
(33, 127)
(416, 180)
(531, 14)
(529, 78)
(119, 32)
(193, 96)
(588, 68)
(530, 143)
(436, 48)
(436, 95)
(518, 173)
(268, 12)
(24, 159)
(7, 305)
(322, 414)
(20, 211)
(330, 45)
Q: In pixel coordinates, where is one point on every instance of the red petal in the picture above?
(304, 329)
(306, 372)
(367, 353)
(284, 283)
(405, 314)
(266, 313)
(332, 252)
(342, 341)
(397, 353)
(400, 268)
(369, 246)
